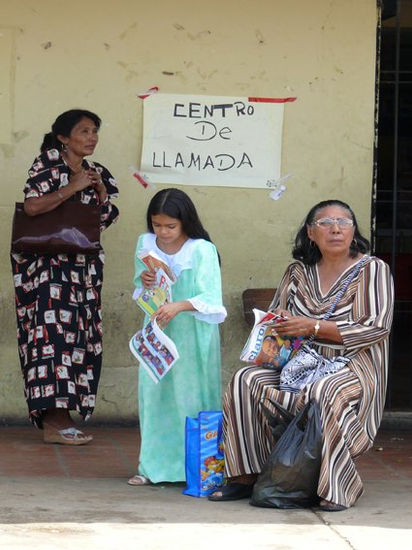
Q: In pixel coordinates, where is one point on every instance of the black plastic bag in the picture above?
(277, 422)
(289, 479)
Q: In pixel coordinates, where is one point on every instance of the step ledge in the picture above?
(398, 420)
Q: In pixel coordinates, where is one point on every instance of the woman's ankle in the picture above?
(244, 479)
(58, 418)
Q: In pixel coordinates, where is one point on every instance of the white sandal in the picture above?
(66, 436)
(139, 480)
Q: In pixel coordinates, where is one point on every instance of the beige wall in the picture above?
(97, 55)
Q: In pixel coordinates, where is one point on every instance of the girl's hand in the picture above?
(166, 312)
(148, 278)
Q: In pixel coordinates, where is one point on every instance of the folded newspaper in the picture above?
(155, 351)
(265, 346)
(150, 299)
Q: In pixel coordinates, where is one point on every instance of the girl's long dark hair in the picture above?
(63, 125)
(306, 250)
(176, 204)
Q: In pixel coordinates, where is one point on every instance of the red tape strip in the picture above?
(271, 99)
(150, 91)
(140, 179)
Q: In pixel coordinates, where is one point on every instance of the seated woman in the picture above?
(351, 401)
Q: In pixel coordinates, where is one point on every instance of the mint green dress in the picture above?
(194, 382)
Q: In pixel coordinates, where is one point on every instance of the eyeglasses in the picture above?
(342, 223)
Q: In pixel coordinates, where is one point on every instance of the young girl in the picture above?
(191, 321)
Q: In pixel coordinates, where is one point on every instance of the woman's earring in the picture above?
(355, 243)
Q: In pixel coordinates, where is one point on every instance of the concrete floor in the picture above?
(57, 497)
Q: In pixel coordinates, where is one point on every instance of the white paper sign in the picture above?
(211, 140)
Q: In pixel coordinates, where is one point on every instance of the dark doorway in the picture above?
(393, 229)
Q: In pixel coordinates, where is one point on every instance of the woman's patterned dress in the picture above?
(58, 305)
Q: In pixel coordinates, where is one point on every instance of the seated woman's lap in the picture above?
(248, 439)
(247, 435)
(338, 397)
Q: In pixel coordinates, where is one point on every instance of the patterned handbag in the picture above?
(307, 365)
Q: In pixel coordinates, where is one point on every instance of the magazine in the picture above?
(154, 262)
(150, 299)
(265, 346)
(155, 351)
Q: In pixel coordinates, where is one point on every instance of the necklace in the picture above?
(74, 169)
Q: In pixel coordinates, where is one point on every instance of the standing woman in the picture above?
(191, 321)
(58, 297)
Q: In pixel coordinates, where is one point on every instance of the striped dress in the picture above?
(351, 401)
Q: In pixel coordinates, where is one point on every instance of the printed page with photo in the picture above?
(154, 350)
(264, 346)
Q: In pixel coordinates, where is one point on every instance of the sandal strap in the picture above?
(68, 431)
(140, 479)
(72, 431)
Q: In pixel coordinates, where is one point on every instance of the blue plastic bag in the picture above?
(204, 453)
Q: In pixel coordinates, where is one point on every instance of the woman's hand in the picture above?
(97, 183)
(34, 206)
(283, 313)
(101, 191)
(148, 278)
(89, 178)
(294, 325)
(80, 180)
(77, 182)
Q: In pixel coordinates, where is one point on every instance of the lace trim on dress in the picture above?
(205, 312)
